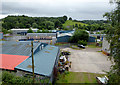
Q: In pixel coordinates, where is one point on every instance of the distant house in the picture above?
(17, 57)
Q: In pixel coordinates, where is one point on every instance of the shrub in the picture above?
(82, 42)
(6, 77)
(79, 35)
(9, 78)
(30, 30)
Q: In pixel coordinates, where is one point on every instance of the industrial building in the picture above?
(105, 47)
(21, 31)
(16, 56)
(1, 35)
(64, 36)
(43, 37)
(91, 39)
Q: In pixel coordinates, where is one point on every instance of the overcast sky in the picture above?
(77, 9)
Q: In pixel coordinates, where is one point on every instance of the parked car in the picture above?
(102, 80)
(81, 46)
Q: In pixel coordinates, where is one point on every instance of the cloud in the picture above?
(78, 9)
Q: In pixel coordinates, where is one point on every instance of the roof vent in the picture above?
(29, 66)
(28, 45)
(14, 45)
(47, 52)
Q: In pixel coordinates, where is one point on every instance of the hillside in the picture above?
(70, 23)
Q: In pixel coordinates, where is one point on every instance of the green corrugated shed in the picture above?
(63, 39)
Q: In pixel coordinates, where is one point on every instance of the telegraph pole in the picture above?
(32, 61)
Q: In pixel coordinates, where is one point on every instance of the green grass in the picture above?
(57, 44)
(93, 46)
(78, 77)
(99, 51)
(71, 23)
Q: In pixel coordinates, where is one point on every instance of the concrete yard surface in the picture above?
(88, 60)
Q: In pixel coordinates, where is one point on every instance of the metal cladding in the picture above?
(11, 61)
(44, 61)
(17, 48)
(45, 56)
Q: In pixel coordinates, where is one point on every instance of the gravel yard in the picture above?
(88, 60)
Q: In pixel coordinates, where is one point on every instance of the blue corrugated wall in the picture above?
(91, 39)
(63, 39)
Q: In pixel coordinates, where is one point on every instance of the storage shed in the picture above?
(63, 39)
(91, 39)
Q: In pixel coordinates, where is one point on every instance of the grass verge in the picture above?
(78, 77)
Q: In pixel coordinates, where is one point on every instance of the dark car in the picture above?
(65, 53)
(81, 46)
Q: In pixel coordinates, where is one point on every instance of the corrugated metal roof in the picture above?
(11, 61)
(68, 31)
(22, 29)
(41, 34)
(44, 61)
(17, 48)
(64, 34)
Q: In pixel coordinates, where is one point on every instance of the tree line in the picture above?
(35, 22)
(48, 23)
(92, 25)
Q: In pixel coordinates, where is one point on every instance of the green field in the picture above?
(71, 23)
(78, 77)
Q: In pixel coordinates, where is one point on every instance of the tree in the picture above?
(65, 18)
(4, 31)
(30, 31)
(113, 36)
(49, 25)
(57, 23)
(34, 25)
(38, 31)
(79, 35)
(76, 25)
(70, 18)
(28, 25)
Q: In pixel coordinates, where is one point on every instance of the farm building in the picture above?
(17, 57)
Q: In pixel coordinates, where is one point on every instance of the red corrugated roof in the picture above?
(11, 61)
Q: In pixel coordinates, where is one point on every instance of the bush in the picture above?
(82, 42)
(6, 77)
(30, 30)
(11, 79)
(79, 35)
